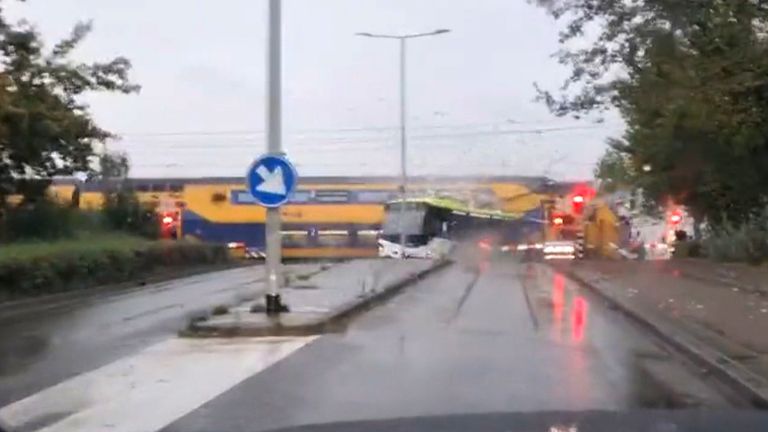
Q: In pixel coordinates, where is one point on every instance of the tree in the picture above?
(114, 166)
(690, 80)
(45, 131)
(614, 171)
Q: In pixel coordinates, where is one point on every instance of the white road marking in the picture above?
(150, 390)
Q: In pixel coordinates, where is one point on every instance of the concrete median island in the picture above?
(320, 303)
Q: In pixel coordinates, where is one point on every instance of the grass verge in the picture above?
(82, 244)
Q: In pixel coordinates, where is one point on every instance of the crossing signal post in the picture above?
(674, 221)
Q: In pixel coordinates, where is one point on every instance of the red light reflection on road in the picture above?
(558, 304)
(579, 312)
(483, 266)
(559, 281)
(558, 298)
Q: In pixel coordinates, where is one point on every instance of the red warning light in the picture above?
(578, 204)
(676, 217)
(580, 195)
(169, 225)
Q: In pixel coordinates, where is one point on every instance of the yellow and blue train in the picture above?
(327, 217)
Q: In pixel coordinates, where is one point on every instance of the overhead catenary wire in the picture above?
(247, 143)
(366, 150)
(493, 128)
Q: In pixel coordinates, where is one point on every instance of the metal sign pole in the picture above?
(274, 147)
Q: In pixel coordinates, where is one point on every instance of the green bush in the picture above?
(40, 220)
(122, 211)
(745, 243)
(71, 271)
(689, 249)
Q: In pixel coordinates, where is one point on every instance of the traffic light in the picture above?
(580, 195)
(169, 224)
(577, 203)
(676, 217)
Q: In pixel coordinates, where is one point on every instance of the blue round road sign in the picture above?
(271, 180)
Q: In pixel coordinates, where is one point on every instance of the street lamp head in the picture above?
(405, 36)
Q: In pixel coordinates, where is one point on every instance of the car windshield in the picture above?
(249, 215)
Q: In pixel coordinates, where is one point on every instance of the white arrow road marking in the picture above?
(273, 183)
(150, 390)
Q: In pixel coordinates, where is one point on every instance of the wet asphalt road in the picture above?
(512, 338)
(58, 339)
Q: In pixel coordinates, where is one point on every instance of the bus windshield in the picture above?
(408, 220)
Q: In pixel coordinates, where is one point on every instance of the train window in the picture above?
(375, 196)
(176, 187)
(141, 187)
(159, 187)
(333, 238)
(301, 197)
(332, 196)
(296, 239)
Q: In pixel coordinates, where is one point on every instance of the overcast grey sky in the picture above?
(202, 66)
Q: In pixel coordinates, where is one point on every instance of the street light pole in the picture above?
(403, 133)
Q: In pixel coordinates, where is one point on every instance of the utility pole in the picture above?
(403, 112)
(403, 147)
(274, 148)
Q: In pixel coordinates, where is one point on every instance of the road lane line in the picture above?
(150, 390)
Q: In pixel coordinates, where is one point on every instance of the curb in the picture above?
(335, 321)
(746, 383)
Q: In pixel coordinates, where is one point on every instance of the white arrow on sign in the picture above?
(273, 183)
